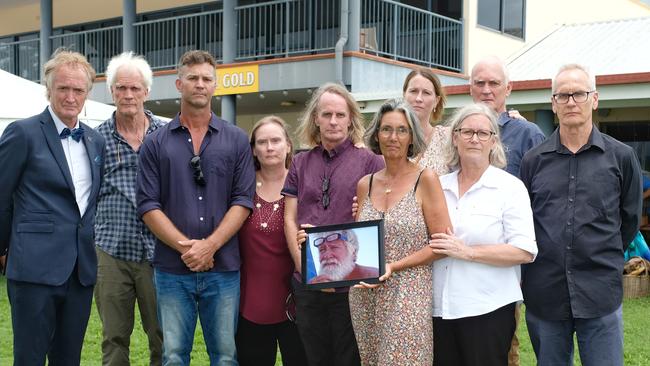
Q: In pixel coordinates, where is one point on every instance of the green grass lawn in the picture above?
(636, 315)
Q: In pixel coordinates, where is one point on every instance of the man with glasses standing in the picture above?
(319, 189)
(124, 244)
(195, 189)
(585, 190)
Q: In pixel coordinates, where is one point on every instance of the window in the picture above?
(448, 8)
(632, 133)
(506, 16)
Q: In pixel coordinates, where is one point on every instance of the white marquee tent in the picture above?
(21, 98)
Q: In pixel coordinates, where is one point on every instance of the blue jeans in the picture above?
(214, 297)
(600, 340)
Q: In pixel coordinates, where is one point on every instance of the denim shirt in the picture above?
(517, 136)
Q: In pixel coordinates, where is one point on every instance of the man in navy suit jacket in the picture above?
(50, 169)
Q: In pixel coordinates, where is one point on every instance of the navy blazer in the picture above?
(40, 222)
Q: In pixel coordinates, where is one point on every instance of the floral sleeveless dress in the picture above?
(393, 323)
(434, 156)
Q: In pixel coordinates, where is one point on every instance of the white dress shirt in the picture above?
(495, 210)
(78, 163)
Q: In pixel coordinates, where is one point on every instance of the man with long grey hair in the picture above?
(318, 190)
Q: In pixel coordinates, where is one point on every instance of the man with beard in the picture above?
(195, 189)
(337, 252)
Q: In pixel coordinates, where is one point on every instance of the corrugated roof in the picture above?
(610, 47)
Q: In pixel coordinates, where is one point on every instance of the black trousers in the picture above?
(478, 340)
(325, 327)
(257, 344)
(49, 321)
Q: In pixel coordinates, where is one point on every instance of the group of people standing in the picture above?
(195, 220)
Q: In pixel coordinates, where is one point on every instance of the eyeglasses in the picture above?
(325, 189)
(387, 131)
(468, 133)
(195, 163)
(578, 97)
(331, 237)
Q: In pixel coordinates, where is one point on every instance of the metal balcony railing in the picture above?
(287, 28)
(406, 33)
(163, 41)
(21, 58)
(99, 45)
(273, 29)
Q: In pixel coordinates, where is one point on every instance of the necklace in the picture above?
(264, 223)
(138, 136)
(140, 139)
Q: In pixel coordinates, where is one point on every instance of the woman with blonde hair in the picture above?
(476, 285)
(424, 93)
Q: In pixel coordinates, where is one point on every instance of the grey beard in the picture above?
(337, 273)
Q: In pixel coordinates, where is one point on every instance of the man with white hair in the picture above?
(490, 85)
(585, 190)
(337, 253)
(124, 244)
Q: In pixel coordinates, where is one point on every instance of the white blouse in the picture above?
(495, 210)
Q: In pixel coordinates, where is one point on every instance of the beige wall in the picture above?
(541, 17)
(25, 16)
(482, 41)
(20, 18)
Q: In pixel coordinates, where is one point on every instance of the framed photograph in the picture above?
(343, 255)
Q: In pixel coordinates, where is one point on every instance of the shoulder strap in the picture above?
(415, 188)
(370, 184)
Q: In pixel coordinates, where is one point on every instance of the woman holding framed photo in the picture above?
(392, 321)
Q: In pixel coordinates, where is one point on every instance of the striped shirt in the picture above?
(118, 229)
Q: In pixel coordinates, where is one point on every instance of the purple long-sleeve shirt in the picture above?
(166, 182)
(344, 166)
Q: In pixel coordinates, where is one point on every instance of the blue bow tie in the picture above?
(76, 133)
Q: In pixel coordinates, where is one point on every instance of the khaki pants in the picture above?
(119, 284)
(513, 355)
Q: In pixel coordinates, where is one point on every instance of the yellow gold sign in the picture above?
(237, 80)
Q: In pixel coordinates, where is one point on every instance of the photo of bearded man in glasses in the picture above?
(337, 254)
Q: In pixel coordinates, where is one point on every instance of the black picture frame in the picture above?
(369, 262)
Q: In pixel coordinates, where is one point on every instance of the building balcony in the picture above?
(274, 29)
